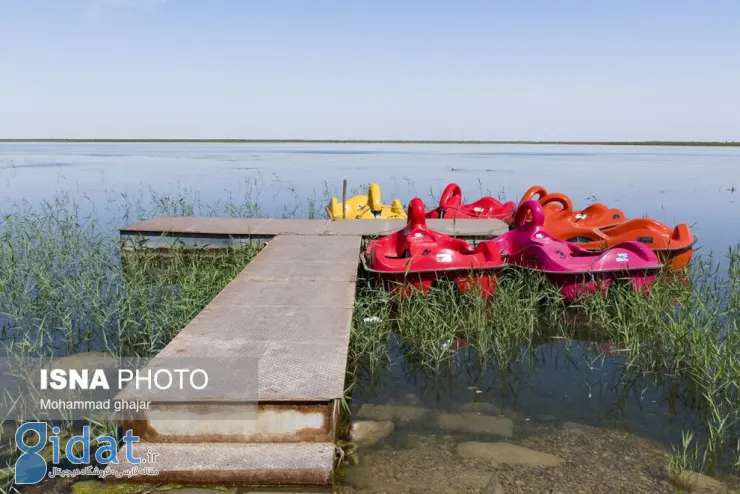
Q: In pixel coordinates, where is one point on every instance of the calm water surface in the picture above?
(671, 184)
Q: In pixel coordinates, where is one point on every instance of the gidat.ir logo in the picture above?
(31, 467)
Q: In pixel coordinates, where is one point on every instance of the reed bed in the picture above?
(683, 337)
(65, 288)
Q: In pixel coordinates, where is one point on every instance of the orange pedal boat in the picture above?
(558, 208)
(674, 246)
(598, 227)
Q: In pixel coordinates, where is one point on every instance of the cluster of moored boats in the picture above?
(581, 251)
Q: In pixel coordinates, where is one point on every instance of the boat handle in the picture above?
(558, 198)
(452, 190)
(536, 190)
(529, 210)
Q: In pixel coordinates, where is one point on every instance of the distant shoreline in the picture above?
(372, 141)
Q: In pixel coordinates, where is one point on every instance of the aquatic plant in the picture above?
(683, 336)
(66, 287)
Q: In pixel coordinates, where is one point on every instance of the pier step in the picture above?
(234, 422)
(238, 463)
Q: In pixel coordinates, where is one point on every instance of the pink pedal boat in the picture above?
(417, 256)
(451, 207)
(577, 271)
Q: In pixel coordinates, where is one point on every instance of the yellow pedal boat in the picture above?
(366, 207)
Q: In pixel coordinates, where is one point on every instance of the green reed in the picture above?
(66, 287)
(684, 334)
(499, 329)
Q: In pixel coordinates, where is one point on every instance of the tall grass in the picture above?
(66, 287)
(684, 336)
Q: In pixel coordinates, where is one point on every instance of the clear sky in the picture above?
(374, 69)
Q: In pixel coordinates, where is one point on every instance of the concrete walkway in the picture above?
(274, 345)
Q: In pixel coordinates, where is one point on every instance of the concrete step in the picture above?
(266, 464)
(235, 423)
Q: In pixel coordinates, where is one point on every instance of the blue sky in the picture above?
(551, 70)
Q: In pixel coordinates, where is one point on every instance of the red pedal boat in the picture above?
(417, 256)
(451, 207)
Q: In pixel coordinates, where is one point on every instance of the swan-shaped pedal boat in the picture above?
(598, 227)
(417, 256)
(558, 209)
(366, 207)
(451, 207)
(575, 270)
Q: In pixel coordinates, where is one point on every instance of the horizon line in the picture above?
(371, 141)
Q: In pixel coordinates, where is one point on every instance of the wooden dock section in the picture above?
(274, 345)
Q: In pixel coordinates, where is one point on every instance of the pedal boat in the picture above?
(366, 207)
(558, 209)
(417, 256)
(598, 227)
(451, 207)
(673, 246)
(576, 271)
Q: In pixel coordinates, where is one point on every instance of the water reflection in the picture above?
(570, 381)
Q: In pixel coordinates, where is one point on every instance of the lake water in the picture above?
(671, 184)
(552, 403)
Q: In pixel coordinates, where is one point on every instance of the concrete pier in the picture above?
(274, 344)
